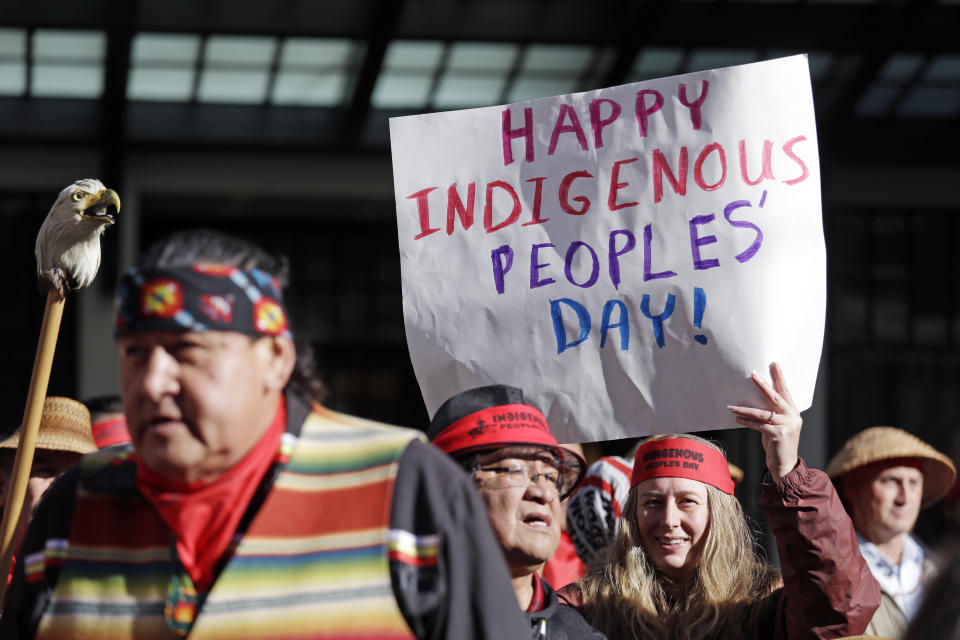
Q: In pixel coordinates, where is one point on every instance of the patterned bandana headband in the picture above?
(201, 297)
(681, 458)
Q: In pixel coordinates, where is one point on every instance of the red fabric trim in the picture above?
(606, 487)
(204, 516)
(501, 425)
(351, 504)
(415, 561)
(627, 470)
(681, 458)
(110, 431)
(538, 601)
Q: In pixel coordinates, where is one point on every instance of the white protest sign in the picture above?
(626, 256)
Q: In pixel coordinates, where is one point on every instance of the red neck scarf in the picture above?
(538, 601)
(205, 515)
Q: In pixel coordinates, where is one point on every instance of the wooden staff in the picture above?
(68, 257)
(17, 489)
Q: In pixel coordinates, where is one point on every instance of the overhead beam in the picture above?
(120, 20)
(773, 26)
(382, 26)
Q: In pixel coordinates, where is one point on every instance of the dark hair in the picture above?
(206, 245)
(105, 404)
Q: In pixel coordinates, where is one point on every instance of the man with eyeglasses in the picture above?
(522, 474)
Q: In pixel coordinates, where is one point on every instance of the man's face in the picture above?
(526, 517)
(197, 402)
(885, 501)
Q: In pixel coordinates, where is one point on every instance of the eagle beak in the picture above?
(101, 206)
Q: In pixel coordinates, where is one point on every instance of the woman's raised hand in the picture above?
(779, 423)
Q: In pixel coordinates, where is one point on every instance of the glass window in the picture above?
(900, 67)
(13, 65)
(163, 66)
(550, 70)
(67, 64)
(944, 68)
(315, 71)
(656, 62)
(318, 89)
(409, 68)
(233, 86)
(931, 102)
(252, 52)
(475, 74)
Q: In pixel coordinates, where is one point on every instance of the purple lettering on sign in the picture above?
(750, 251)
(648, 256)
(535, 266)
(568, 264)
(697, 241)
(502, 259)
(614, 253)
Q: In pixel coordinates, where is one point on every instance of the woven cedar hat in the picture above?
(736, 473)
(877, 444)
(64, 426)
(464, 424)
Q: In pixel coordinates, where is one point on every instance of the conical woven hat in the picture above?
(887, 443)
(64, 426)
(736, 473)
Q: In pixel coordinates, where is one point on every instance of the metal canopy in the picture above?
(302, 75)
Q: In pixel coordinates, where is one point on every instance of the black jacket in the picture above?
(559, 622)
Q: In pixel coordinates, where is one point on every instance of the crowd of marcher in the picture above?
(225, 501)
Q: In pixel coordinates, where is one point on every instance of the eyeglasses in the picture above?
(521, 475)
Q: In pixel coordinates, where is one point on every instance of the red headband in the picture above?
(110, 431)
(879, 465)
(504, 424)
(681, 458)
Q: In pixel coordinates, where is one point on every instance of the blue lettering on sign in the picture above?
(615, 315)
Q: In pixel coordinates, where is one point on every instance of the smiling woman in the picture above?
(683, 564)
(683, 544)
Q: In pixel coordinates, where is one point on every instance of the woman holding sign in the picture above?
(683, 565)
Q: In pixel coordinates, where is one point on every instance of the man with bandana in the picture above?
(246, 509)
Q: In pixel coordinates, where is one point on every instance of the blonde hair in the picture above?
(625, 596)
